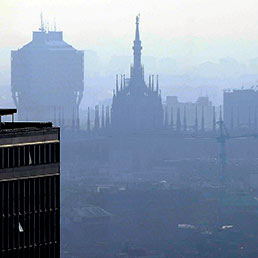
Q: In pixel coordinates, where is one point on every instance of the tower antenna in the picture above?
(47, 26)
(41, 23)
(54, 24)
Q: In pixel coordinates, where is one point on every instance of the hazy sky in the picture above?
(194, 30)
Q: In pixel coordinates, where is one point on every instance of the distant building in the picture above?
(29, 189)
(89, 223)
(136, 107)
(240, 109)
(47, 79)
(199, 115)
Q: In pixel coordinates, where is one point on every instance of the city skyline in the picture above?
(195, 35)
(192, 56)
(136, 132)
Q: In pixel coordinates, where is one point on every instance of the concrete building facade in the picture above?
(241, 109)
(199, 115)
(47, 79)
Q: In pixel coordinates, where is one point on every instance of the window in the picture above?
(29, 155)
(20, 228)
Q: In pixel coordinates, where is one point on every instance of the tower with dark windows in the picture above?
(29, 189)
(136, 106)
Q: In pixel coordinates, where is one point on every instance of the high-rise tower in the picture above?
(136, 107)
(47, 79)
(29, 189)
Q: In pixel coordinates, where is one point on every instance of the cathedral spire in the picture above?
(137, 47)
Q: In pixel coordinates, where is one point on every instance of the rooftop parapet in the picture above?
(6, 112)
(14, 126)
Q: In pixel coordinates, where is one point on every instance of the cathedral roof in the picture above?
(136, 106)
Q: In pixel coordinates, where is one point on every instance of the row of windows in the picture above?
(30, 230)
(30, 212)
(26, 196)
(29, 155)
(51, 250)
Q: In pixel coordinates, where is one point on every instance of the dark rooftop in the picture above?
(7, 111)
(14, 127)
(11, 129)
(20, 125)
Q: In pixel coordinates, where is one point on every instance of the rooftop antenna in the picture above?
(47, 26)
(54, 24)
(41, 23)
(50, 26)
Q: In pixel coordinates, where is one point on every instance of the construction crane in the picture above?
(222, 138)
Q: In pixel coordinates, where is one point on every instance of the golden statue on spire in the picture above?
(137, 19)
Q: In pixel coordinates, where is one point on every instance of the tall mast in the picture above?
(42, 26)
